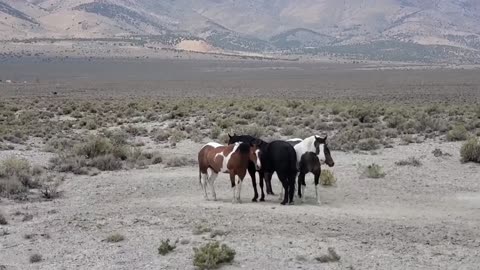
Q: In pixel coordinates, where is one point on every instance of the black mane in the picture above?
(244, 148)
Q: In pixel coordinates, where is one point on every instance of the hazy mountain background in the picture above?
(420, 30)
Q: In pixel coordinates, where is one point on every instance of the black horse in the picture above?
(251, 166)
(279, 157)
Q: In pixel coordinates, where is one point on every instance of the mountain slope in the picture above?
(328, 26)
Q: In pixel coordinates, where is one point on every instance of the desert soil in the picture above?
(415, 218)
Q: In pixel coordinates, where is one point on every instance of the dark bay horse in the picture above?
(276, 157)
(233, 159)
(313, 152)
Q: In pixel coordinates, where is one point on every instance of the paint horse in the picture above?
(233, 159)
(311, 153)
(251, 166)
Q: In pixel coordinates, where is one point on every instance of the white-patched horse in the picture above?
(317, 145)
(233, 159)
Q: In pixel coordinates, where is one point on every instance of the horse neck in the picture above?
(307, 145)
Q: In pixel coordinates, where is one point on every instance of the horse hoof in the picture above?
(254, 200)
(283, 203)
(291, 203)
(262, 199)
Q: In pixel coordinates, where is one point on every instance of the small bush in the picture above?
(15, 176)
(368, 144)
(212, 255)
(411, 161)
(165, 247)
(94, 147)
(3, 219)
(115, 238)
(35, 258)
(439, 153)
(458, 133)
(374, 171)
(470, 151)
(106, 163)
(215, 133)
(201, 229)
(180, 162)
(332, 256)
(327, 178)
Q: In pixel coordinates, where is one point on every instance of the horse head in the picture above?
(322, 150)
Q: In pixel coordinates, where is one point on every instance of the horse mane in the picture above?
(244, 148)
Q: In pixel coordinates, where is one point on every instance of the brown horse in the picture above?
(233, 159)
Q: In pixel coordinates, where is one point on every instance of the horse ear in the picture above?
(229, 135)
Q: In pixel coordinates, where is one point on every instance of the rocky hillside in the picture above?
(381, 29)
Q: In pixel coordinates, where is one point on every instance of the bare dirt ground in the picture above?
(423, 217)
(414, 218)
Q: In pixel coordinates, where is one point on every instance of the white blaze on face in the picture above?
(259, 164)
(321, 155)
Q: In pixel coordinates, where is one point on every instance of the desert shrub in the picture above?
(106, 163)
(117, 136)
(215, 133)
(395, 121)
(15, 176)
(327, 178)
(374, 171)
(201, 229)
(3, 219)
(439, 153)
(66, 163)
(156, 158)
(50, 191)
(252, 130)
(458, 133)
(179, 162)
(332, 256)
(470, 151)
(288, 130)
(94, 147)
(35, 258)
(368, 144)
(212, 255)
(115, 238)
(165, 247)
(411, 161)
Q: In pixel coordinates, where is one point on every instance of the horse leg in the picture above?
(291, 184)
(203, 183)
(269, 186)
(284, 179)
(262, 199)
(252, 171)
(234, 189)
(301, 186)
(317, 181)
(211, 181)
(239, 184)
